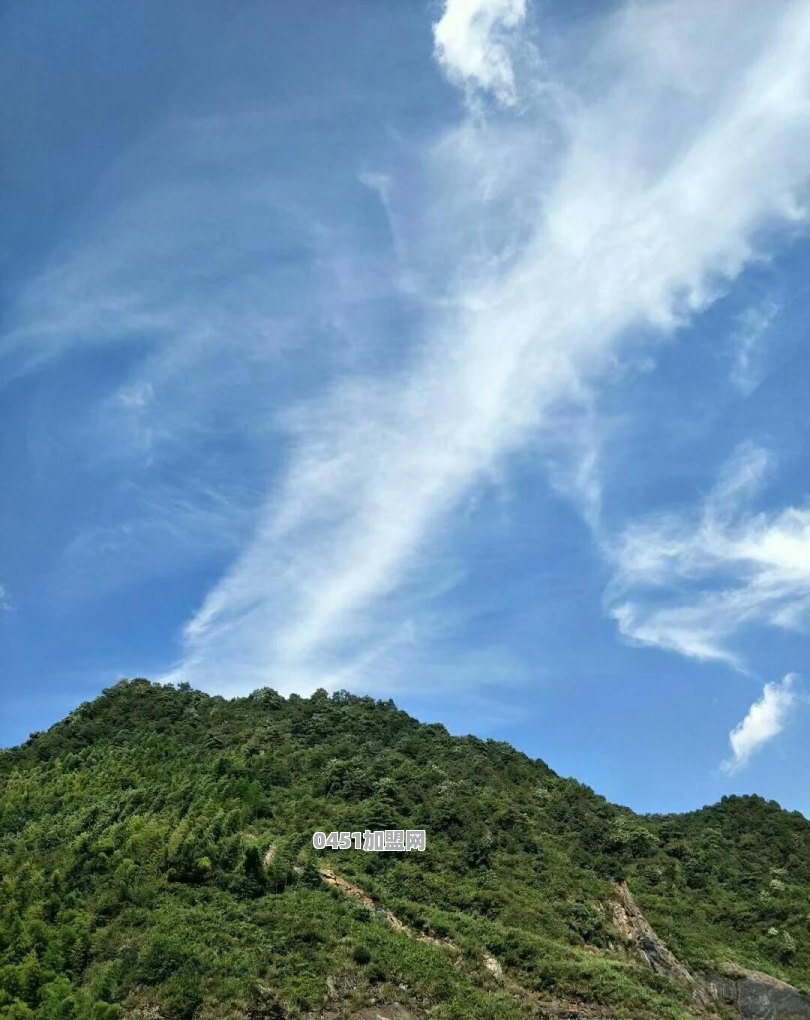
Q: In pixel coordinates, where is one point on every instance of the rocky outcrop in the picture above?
(631, 923)
(754, 995)
(758, 996)
(493, 966)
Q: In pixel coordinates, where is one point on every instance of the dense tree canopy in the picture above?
(135, 873)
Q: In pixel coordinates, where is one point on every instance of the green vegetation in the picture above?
(135, 878)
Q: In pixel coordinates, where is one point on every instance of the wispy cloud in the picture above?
(553, 262)
(183, 256)
(538, 243)
(691, 582)
(152, 530)
(752, 329)
(765, 720)
(5, 599)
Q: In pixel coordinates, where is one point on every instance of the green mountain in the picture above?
(156, 861)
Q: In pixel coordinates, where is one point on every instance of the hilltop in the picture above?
(156, 862)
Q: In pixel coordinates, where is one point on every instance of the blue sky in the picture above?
(452, 352)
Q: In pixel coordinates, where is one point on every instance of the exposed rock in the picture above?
(758, 996)
(341, 987)
(754, 995)
(634, 926)
(492, 965)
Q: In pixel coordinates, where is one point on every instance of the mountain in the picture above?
(156, 861)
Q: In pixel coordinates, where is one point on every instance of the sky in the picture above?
(454, 352)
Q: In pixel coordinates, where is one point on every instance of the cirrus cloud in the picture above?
(555, 265)
(691, 582)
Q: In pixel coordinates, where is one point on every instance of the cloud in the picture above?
(689, 583)
(551, 265)
(151, 530)
(193, 280)
(474, 40)
(5, 600)
(765, 720)
(752, 329)
(538, 246)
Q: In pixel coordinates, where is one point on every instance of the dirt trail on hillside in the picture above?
(491, 965)
(357, 894)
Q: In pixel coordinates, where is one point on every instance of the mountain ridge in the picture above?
(139, 829)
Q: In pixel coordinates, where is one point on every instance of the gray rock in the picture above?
(758, 996)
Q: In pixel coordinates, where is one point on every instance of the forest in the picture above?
(156, 861)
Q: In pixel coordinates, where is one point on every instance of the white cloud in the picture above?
(536, 244)
(474, 40)
(752, 329)
(5, 600)
(547, 269)
(765, 720)
(690, 583)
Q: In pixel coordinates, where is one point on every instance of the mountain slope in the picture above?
(156, 861)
